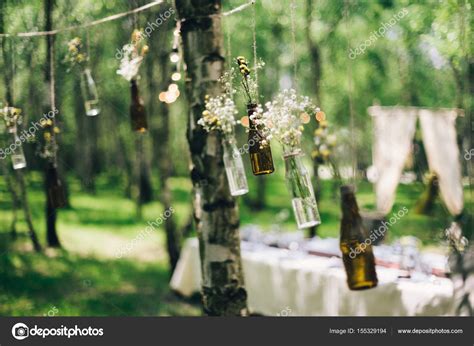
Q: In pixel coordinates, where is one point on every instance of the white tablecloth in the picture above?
(278, 284)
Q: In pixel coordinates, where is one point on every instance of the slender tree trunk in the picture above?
(83, 147)
(8, 97)
(215, 210)
(316, 74)
(26, 211)
(160, 128)
(23, 197)
(137, 170)
(13, 194)
(51, 212)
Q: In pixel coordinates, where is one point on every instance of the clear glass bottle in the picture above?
(18, 156)
(137, 109)
(89, 93)
(356, 247)
(300, 187)
(234, 167)
(260, 154)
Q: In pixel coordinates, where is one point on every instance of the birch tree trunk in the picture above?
(215, 210)
(8, 96)
(22, 197)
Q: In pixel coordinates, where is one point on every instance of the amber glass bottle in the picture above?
(137, 109)
(260, 155)
(357, 253)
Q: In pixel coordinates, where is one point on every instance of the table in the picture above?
(280, 283)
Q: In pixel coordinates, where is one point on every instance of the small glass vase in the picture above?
(137, 109)
(234, 168)
(300, 187)
(18, 156)
(89, 93)
(260, 153)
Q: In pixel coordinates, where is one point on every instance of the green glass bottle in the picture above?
(357, 254)
(260, 153)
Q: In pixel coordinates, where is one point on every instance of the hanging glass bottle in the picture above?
(137, 109)
(301, 189)
(89, 93)
(260, 152)
(234, 167)
(56, 193)
(357, 254)
(18, 156)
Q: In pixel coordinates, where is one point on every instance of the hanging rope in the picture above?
(88, 44)
(293, 41)
(228, 47)
(254, 37)
(351, 105)
(114, 17)
(52, 87)
(239, 8)
(86, 25)
(12, 50)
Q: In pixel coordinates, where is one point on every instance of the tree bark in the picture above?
(26, 211)
(84, 148)
(160, 133)
(14, 197)
(8, 97)
(315, 59)
(23, 197)
(51, 212)
(215, 210)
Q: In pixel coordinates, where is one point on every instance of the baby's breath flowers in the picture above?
(285, 117)
(219, 114)
(133, 54)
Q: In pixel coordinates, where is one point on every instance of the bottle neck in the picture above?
(134, 91)
(251, 109)
(349, 206)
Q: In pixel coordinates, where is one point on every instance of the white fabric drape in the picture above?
(439, 138)
(394, 128)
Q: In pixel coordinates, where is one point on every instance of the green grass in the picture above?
(85, 278)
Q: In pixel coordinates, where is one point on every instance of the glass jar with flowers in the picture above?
(219, 115)
(284, 119)
(259, 147)
(133, 54)
(76, 57)
(13, 118)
